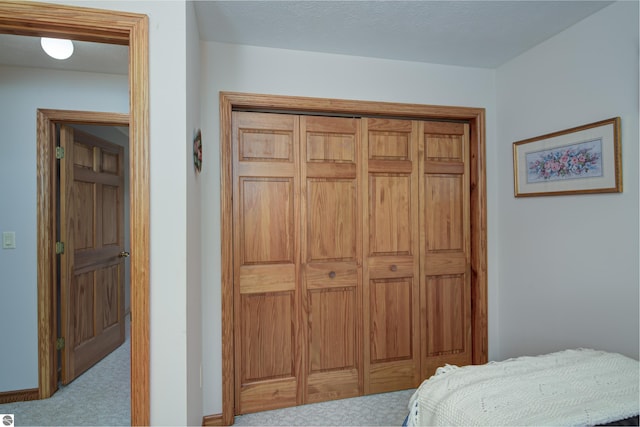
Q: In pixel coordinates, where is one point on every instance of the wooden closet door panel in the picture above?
(389, 214)
(445, 295)
(266, 261)
(333, 364)
(391, 322)
(266, 228)
(390, 163)
(268, 371)
(331, 256)
(331, 220)
(447, 317)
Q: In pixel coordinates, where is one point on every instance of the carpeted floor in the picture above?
(387, 409)
(99, 397)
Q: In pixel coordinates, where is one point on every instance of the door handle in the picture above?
(124, 254)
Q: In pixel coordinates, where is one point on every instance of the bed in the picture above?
(571, 387)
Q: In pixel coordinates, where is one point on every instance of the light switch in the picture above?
(8, 240)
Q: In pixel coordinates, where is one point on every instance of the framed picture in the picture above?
(581, 160)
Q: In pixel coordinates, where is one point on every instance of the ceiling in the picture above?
(466, 33)
(25, 51)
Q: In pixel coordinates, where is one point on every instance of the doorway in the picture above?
(113, 27)
(88, 205)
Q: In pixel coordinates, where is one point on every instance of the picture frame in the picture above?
(582, 160)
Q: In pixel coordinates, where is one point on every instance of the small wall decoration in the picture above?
(197, 150)
(581, 160)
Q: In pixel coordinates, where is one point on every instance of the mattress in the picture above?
(571, 387)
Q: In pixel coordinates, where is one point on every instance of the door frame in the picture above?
(230, 101)
(113, 27)
(47, 120)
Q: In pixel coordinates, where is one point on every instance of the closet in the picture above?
(351, 255)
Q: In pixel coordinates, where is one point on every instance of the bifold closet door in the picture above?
(445, 288)
(351, 255)
(266, 225)
(391, 247)
(331, 255)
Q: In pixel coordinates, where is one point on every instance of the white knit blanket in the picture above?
(568, 388)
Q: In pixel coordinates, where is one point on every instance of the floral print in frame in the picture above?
(581, 160)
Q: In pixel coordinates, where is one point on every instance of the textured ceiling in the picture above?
(25, 51)
(466, 33)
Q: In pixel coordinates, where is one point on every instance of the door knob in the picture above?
(124, 254)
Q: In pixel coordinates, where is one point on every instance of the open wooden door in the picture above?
(92, 261)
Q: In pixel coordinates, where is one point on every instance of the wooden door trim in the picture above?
(41, 19)
(230, 101)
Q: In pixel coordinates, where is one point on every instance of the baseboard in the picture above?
(212, 420)
(19, 395)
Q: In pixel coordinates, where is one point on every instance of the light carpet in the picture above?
(99, 397)
(386, 409)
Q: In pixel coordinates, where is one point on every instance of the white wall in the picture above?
(568, 265)
(286, 72)
(22, 92)
(194, 237)
(169, 352)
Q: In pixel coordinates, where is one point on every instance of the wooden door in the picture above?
(91, 267)
(351, 255)
(331, 255)
(445, 288)
(266, 261)
(391, 247)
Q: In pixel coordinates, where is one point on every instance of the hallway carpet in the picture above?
(99, 397)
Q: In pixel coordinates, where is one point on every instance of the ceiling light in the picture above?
(57, 48)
